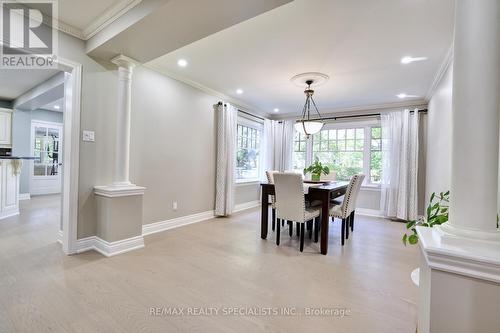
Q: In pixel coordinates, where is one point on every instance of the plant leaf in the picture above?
(413, 239)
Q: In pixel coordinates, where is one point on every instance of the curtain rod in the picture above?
(363, 115)
(247, 113)
(359, 116)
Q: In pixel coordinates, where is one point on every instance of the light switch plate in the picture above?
(88, 136)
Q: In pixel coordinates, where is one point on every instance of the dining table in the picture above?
(323, 192)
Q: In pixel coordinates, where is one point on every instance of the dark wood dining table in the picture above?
(324, 193)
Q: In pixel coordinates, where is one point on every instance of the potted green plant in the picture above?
(437, 214)
(317, 169)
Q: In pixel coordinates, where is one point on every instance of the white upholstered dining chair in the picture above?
(290, 203)
(345, 210)
(270, 179)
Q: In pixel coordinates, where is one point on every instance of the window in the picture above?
(299, 151)
(347, 149)
(340, 149)
(248, 150)
(376, 155)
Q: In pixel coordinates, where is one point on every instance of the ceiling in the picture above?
(359, 44)
(57, 105)
(15, 82)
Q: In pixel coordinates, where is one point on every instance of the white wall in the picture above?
(172, 146)
(21, 138)
(439, 136)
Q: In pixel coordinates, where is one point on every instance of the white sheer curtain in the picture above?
(267, 149)
(283, 144)
(227, 116)
(399, 164)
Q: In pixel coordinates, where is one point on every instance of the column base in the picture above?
(451, 231)
(112, 191)
(457, 274)
(119, 218)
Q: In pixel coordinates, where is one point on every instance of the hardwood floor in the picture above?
(220, 263)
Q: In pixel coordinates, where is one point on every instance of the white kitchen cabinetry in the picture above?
(5, 126)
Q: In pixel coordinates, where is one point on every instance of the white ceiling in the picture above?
(15, 82)
(57, 105)
(359, 44)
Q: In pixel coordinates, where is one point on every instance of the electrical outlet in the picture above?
(88, 136)
(174, 205)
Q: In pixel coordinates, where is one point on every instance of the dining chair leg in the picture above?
(302, 232)
(352, 221)
(282, 223)
(310, 225)
(347, 221)
(316, 229)
(273, 211)
(342, 231)
(290, 228)
(278, 230)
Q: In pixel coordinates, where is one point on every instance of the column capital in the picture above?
(124, 61)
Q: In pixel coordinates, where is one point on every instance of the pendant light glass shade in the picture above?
(308, 127)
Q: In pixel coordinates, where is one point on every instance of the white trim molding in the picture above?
(105, 18)
(369, 212)
(24, 196)
(246, 205)
(109, 249)
(465, 256)
(448, 59)
(118, 191)
(152, 228)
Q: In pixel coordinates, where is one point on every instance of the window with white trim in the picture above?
(248, 157)
(347, 149)
(299, 151)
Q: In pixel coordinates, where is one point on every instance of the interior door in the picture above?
(46, 145)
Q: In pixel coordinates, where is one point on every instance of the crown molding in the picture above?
(447, 61)
(105, 19)
(237, 102)
(109, 16)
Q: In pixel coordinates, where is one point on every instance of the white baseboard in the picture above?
(369, 212)
(24, 196)
(109, 249)
(151, 228)
(246, 205)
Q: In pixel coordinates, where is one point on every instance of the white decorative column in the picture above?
(475, 117)
(460, 264)
(122, 139)
(119, 204)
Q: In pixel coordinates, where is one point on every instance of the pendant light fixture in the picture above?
(306, 125)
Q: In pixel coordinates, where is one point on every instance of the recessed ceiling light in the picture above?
(276, 110)
(408, 60)
(182, 62)
(239, 91)
(403, 95)
(57, 107)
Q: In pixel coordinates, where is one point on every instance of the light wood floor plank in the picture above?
(219, 263)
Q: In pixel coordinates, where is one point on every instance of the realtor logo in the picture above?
(29, 39)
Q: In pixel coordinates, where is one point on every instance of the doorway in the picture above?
(46, 148)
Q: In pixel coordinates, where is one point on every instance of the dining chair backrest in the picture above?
(351, 194)
(289, 189)
(270, 176)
